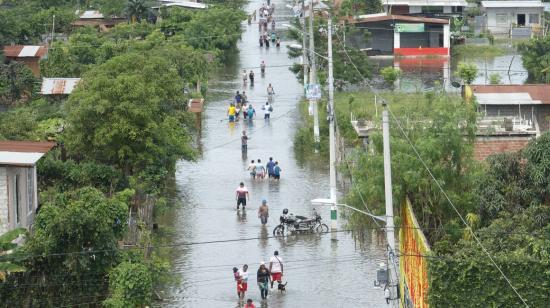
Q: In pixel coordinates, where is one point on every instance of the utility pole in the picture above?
(313, 78)
(390, 235)
(304, 43)
(332, 141)
(53, 29)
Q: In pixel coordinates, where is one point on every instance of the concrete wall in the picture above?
(4, 224)
(511, 17)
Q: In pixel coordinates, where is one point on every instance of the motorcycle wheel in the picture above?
(322, 228)
(279, 231)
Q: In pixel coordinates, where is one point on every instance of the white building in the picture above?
(18, 182)
(502, 16)
(424, 7)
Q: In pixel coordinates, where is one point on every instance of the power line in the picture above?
(437, 182)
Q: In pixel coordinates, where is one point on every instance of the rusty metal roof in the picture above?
(54, 86)
(380, 17)
(23, 153)
(527, 93)
(26, 146)
(25, 51)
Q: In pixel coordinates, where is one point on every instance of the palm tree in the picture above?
(136, 9)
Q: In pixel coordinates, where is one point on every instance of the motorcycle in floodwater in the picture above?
(290, 224)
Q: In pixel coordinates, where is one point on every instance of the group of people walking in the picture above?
(266, 276)
(258, 171)
(266, 19)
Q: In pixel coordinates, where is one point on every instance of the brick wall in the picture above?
(486, 146)
(4, 224)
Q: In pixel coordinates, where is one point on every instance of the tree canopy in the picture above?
(127, 112)
(536, 58)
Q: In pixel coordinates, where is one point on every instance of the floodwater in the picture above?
(320, 272)
(427, 73)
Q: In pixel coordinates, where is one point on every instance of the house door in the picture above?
(521, 20)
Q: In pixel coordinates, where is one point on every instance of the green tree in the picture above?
(128, 112)
(136, 10)
(359, 7)
(73, 245)
(536, 58)
(131, 285)
(390, 75)
(467, 72)
(442, 130)
(17, 83)
(495, 79)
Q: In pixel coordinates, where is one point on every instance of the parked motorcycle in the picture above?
(299, 224)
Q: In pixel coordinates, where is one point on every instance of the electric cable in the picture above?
(436, 181)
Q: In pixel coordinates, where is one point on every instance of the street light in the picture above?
(325, 202)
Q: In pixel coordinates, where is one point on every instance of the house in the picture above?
(402, 35)
(28, 55)
(511, 115)
(18, 182)
(500, 17)
(425, 7)
(96, 19)
(58, 86)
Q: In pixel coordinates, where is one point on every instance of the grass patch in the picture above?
(477, 51)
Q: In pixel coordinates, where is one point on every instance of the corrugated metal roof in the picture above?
(91, 15)
(53, 86)
(378, 17)
(538, 93)
(185, 4)
(23, 153)
(26, 146)
(511, 4)
(23, 51)
(426, 2)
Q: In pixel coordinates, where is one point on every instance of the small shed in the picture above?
(28, 55)
(58, 86)
(18, 182)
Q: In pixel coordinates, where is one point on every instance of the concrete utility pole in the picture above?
(332, 139)
(313, 78)
(53, 29)
(390, 230)
(304, 43)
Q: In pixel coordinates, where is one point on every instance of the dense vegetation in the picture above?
(505, 200)
(536, 58)
(119, 135)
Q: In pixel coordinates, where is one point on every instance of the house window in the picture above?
(457, 9)
(534, 19)
(432, 9)
(30, 190)
(502, 20)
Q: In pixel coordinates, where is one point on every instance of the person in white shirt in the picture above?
(244, 284)
(276, 268)
(268, 109)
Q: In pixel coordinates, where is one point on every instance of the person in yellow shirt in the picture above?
(231, 112)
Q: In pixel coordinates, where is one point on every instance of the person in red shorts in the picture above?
(276, 268)
(239, 280)
(243, 287)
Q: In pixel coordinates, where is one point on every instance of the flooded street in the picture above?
(320, 272)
